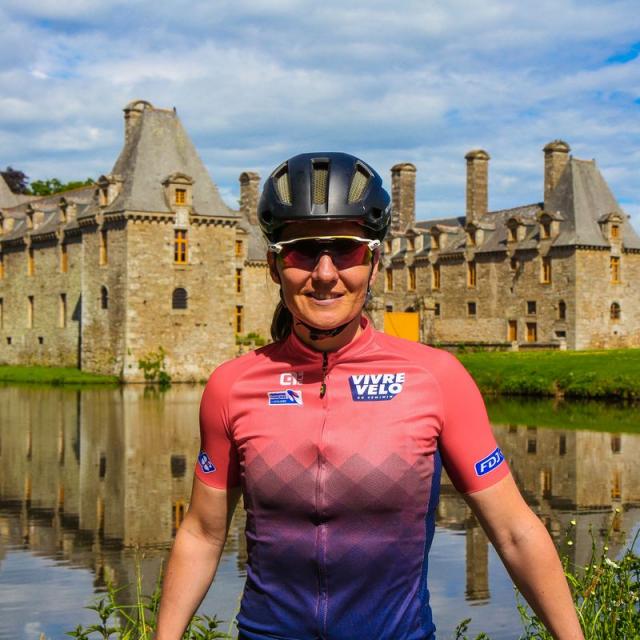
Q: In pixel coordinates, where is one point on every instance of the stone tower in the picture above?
(556, 156)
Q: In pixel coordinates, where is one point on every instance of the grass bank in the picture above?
(572, 374)
(52, 375)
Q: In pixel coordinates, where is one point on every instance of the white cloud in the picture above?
(256, 81)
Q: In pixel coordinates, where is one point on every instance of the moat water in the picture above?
(93, 483)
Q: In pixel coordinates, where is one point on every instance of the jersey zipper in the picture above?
(321, 535)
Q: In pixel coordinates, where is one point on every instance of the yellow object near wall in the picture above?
(403, 324)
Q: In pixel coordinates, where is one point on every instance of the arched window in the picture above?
(562, 310)
(179, 298)
(614, 311)
(104, 297)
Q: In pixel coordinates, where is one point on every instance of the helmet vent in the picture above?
(358, 184)
(282, 185)
(320, 177)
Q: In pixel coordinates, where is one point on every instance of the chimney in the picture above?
(477, 185)
(249, 188)
(556, 156)
(132, 113)
(403, 197)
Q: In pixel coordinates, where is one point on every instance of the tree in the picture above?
(16, 180)
(53, 185)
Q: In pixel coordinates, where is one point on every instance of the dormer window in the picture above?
(513, 233)
(108, 189)
(615, 231)
(545, 229)
(411, 243)
(178, 190)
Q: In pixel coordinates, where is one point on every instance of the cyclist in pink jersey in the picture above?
(335, 435)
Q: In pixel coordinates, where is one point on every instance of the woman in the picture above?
(336, 434)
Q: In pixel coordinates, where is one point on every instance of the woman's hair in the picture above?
(281, 323)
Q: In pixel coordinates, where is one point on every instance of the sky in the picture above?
(254, 82)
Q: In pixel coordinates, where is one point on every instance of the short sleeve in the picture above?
(217, 464)
(467, 445)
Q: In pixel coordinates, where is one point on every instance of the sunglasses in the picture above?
(345, 251)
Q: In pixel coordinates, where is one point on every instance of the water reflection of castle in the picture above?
(84, 471)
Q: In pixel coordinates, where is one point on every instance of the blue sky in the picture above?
(255, 82)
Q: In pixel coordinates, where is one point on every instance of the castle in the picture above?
(151, 257)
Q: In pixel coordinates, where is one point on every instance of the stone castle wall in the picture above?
(52, 338)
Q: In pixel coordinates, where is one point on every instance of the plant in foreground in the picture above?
(606, 593)
(118, 621)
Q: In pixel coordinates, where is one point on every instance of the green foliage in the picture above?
(463, 627)
(576, 374)
(53, 185)
(252, 339)
(16, 180)
(606, 593)
(118, 621)
(52, 375)
(153, 367)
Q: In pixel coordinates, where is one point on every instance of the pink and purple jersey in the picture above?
(341, 490)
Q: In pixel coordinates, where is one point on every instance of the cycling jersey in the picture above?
(341, 487)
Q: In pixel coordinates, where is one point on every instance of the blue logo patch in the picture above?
(368, 387)
(285, 397)
(205, 463)
(493, 460)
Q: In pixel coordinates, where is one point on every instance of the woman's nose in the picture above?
(325, 269)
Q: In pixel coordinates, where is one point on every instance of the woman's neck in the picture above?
(328, 343)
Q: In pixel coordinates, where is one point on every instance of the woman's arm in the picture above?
(194, 557)
(529, 555)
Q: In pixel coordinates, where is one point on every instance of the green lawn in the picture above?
(52, 375)
(578, 374)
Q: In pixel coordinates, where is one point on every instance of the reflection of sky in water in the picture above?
(39, 595)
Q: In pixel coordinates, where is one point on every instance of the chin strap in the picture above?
(319, 334)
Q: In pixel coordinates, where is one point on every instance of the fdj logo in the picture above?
(376, 386)
(494, 459)
(205, 463)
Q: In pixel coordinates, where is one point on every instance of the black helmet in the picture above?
(324, 186)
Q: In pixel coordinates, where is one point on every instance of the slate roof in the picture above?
(8, 199)
(157, 147)
(580, 199)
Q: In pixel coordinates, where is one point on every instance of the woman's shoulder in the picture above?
(231, 370)
(417, 351)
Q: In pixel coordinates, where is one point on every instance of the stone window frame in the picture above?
(532, 307)
(472, 274)
(545, 270)
(104, 297)
(30, 312)
(239, 319)
(615, 231)
(512, 330)
(64, 258)
(472, 309)
(437, 310)
(31, 262)
(103, 253)
(239, 282)
(615, 312)
(388, 279)
(62, 311)
(436, 277)
(562, 310)
(180, 299)
(180, 246)
(411, 278)
(239, 248)
(614, 269)
(180, 196)
(1, 265)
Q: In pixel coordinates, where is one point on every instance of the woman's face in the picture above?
(325, 297)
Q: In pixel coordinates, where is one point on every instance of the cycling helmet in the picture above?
(324, 186)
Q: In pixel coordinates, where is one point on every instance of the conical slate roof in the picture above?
(157, 146)
(582, 197)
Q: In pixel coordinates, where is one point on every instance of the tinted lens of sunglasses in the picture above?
(344, 252)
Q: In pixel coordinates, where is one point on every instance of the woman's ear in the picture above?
(273, 267)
